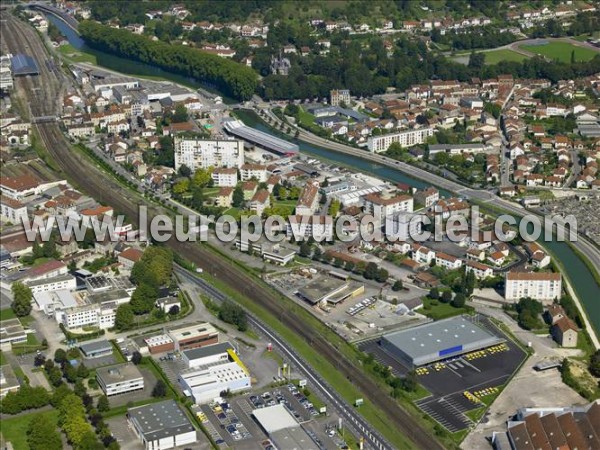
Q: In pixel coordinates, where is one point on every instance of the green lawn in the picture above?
(71, 53)
(3, 360)
(7, 313)
(494, 57)
(15, 430)
(437, 310)
(561, 51)
(30, 346)
(234, 212)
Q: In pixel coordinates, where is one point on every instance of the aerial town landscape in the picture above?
(287, 225)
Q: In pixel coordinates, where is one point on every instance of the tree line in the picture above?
(232, 78)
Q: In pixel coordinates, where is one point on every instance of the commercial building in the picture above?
(542, 286)
(52, 301)
(260, 139)
(205, 153)
(193, 336)
(378, 144)
(101, 316)
(283, 430)
(161, 425)
(96, 349)
(207, 382)
(12, 332)
(210, 354)
(328, 289)
(119, 379)
(158, 344)
(436, 341)
(66, 282)
(24, 65)
(8, 381)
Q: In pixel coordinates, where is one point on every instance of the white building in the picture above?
(12, 210)
(101, 316)
(422, 254)
(403, 225)
(205, 153)
(542, 286)
(256, 171)
(319, 227)
(340, 96)
(162, 425)
(62, 282)
(119, 379)
(380, 206)
(309, 199)
(209, 354)
(480, 270)
(407, 138)
(206, 383)
(225, 177)
(447, 261)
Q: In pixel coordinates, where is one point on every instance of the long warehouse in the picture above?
(259, 138)
(436, 341)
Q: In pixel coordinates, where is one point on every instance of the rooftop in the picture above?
(274, 418)
(237, 128)
(95, 346)
(160, 420)
(118, 373)
(208, 350)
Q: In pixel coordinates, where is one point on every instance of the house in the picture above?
(260, 201)
(481, 271)
(224, 197)
(129, 257)
(538, 257)
(447, 261)
(427, 197)
(249, 188)
(256, 172)
(309, 199)
(564, 332)
(497, 258)
(422, 254)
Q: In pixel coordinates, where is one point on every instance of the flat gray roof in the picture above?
(270, 142)
(444, 337)
(160, 420)
(96, 346)
(320, 287)
(118, 373)
(24, 65)
(295, 438)
(208, 350)
(274, 418)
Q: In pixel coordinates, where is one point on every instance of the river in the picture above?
(581, 278)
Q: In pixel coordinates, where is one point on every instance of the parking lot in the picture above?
(456, 385)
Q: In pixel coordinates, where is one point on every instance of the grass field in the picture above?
(437, 310)
(561, 51)
(494, 57)
(15, 430)
(3, 360)
(7, 313)
(71, 53)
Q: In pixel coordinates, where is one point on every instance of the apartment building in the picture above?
(380, 205)
(205, 153)
(254, 171)
(119, 379)
(338, 96)
(225, 177)
(408, 138)
(542, 286)
(309, 199)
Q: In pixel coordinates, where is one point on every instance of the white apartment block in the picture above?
(224, 177)
(12, 210)
(87, 315)
(447, 261)
(480, 270)
(545, 287)
(382, 206)
(205, 153)
(62, 282)
(256, 171)
(408, 138)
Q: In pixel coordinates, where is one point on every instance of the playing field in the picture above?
(494, 57)
(561, 51)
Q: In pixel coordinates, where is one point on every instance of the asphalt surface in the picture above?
(92, 181)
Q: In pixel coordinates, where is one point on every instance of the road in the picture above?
(583, 244)
(93, 181)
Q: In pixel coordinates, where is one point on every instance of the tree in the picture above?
(136, 357)
(174, 310)
(60, 356)
(382, 275)
(184, 171)
(55, 376)
(235, 314)
(202, 178)
(595, 364)
(371, 271)
(349, 266)
(39, 360)
(22, 297)
(143, 299)
(69, 372)
(446, 296)
(476, 60)
(90, 441)
(160, 389)
(459, 300)
(82, 371)
(25, 398)
(49, 248)
(124, 317)
(305, 249)
(180, 114)
(79, 388)
(238, 197)
(434, 293)
(103, 404)
(398, 286)
(42, 434)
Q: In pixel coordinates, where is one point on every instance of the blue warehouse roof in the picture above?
(24, 65)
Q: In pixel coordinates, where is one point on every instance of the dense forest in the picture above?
(232, 78)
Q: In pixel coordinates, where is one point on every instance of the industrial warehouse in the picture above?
(437, 341)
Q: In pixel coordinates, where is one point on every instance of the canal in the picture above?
(582, 280)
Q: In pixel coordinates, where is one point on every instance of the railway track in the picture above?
(90, 179)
